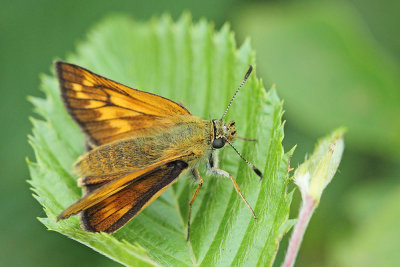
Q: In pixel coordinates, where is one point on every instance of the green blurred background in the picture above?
(334, 63)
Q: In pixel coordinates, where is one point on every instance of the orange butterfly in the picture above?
(138, 145)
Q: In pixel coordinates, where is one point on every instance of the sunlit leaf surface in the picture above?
(200, 67)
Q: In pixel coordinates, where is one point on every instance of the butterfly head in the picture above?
(223, 132)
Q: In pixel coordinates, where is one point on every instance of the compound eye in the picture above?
(218, 143)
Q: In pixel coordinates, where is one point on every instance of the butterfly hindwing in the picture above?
(107, 110)
(102, 188)
(99, 188)
(115, 211)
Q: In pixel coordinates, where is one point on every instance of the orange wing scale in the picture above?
(107, 110)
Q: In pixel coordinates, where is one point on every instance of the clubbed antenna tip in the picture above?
(248, 72)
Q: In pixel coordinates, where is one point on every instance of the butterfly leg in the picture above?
(211, 167)
(213, 160)
(199, 180)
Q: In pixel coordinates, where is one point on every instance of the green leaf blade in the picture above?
(201, 68)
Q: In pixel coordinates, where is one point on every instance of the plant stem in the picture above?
(306, 211)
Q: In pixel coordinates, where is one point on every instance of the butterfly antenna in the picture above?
(257, 171)
(237, 91)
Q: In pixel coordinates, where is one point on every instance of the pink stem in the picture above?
(306, 212)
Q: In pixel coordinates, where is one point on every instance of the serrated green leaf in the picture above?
(193, 64)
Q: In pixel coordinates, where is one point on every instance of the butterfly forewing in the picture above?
(107, 110)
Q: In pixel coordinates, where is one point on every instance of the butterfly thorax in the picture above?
(189, 135)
